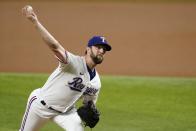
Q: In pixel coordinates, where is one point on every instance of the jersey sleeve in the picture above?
(72, 62)
(70, 57)
(87, 97)
(92, 91)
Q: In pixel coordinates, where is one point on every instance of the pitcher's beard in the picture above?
(97, 59)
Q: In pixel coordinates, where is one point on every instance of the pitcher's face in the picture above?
(97, 53)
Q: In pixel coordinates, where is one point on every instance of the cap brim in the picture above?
(108, 47)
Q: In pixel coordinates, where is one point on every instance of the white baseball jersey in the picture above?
(68, 83)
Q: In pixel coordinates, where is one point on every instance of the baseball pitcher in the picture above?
(74, 78)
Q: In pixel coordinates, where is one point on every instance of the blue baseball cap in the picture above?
(99, 40)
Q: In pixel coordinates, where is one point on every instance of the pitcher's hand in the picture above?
(28, 12)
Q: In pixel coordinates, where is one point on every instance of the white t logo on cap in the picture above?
(103, 39)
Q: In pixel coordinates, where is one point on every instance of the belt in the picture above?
(44, 103)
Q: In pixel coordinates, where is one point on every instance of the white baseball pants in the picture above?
(36, 115)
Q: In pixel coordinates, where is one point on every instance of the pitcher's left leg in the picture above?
(69, 122)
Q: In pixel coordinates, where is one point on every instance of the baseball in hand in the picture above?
(29, 8)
